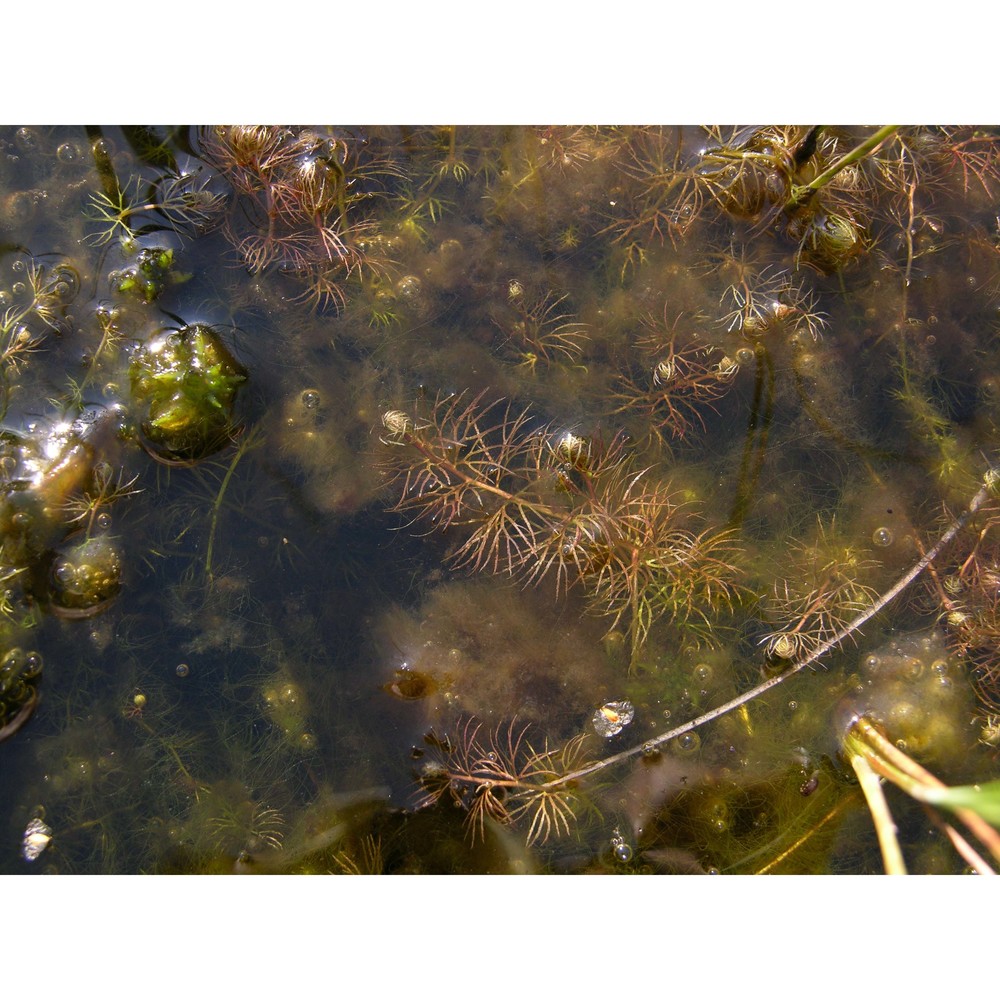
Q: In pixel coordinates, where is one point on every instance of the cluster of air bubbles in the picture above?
(908, 686)
(620, 848)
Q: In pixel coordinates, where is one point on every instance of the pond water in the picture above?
(389, 499)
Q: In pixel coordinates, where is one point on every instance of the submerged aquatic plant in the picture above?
(643, 358)
(181, 202)
(298, 204)
(186, 381)
(821, 589)
(681, 380)
(539, 332)
(499, 777)
(873, 756)
(547, 505)
(33, 307)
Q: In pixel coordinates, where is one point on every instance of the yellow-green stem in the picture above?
(894, 765)
(216, 507)
(801, 193)
(885, 827)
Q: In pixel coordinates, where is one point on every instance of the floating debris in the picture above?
(37, 836)
(612, 718)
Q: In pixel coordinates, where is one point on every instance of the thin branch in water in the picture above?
(991, 481)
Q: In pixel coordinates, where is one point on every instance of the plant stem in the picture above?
(799, 841)
(217, 505)
(194, 786)
(885, 827)
(902, 770)
(890, 595)
(801, 193)
(964, 849)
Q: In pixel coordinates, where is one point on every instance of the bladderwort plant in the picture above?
(539, 504)
(180, 202)
(478, 776)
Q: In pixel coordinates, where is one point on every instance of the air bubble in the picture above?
(623, 853)
(944, 686)
(310, 399)
(182, 670)
(688, 743)
(409, 287)
(882, 537)
(26, 139)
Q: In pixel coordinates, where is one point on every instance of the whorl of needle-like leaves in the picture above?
(543, 504)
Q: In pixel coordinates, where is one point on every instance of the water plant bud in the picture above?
(573, 449)
(397, 423)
